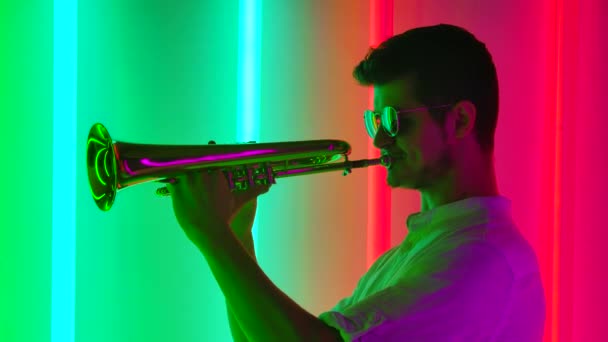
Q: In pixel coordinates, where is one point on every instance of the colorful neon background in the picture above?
(243, 70)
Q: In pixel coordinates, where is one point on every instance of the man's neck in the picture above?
(460, 185)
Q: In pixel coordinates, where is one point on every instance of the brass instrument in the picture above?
(114, 165)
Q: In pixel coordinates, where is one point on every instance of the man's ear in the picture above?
(464, 116)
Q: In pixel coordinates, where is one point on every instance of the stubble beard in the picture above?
(425, 178)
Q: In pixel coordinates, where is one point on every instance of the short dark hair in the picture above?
(447, 64)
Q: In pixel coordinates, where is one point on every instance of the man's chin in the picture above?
(392, 181)
(399, 182)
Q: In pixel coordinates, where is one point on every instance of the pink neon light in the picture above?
(379, 195)
(127, 168)
(148, 162)
(559, 66)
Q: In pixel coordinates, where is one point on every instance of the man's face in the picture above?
(420, 154)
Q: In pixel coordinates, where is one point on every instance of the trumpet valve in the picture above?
(246, 176)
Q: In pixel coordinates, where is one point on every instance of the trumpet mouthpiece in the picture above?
(386, 161)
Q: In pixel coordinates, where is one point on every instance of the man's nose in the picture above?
(382, 139)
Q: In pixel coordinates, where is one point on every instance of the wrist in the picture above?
(246, 240)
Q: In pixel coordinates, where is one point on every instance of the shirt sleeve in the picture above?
(457, 295)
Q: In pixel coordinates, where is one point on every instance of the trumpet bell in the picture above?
(101, 167)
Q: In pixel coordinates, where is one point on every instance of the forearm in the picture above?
(263, 311)
(235, 328)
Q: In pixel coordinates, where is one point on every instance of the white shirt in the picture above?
(463, 273)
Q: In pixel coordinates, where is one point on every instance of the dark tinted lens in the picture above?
(390, 121)
(372, 123)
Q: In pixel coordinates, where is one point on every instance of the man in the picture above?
(464, 272)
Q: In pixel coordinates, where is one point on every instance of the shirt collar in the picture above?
(460, 214)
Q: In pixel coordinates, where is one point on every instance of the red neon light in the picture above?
(379, 195)
(559, 66)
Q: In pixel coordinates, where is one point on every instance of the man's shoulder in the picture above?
(495, 247)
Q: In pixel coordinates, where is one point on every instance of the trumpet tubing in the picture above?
(114, 165)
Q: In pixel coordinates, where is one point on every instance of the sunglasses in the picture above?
(389, 119)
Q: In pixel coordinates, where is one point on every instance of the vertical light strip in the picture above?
(566, 125)
(379, 195)
(64, 174)
(557, 153)
(248, 97)
(552, 153)
(557, 172)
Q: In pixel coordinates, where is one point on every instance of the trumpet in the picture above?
(115, 165)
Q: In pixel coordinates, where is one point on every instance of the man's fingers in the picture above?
(250, 194)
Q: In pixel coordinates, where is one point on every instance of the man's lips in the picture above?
(393, 158)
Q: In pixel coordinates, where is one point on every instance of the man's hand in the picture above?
(201, 198)
(205, 207)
